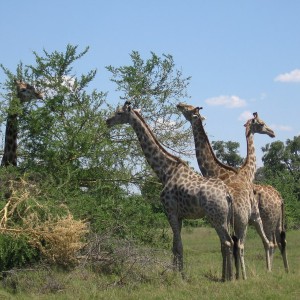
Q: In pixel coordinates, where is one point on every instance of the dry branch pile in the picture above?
(57, 236)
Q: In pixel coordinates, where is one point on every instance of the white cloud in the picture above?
(227, 101)
(245, 116)
(293, 76)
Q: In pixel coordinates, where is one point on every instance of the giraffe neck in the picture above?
(207, 161)
(161, 161)
(248, 168)
(10, 144)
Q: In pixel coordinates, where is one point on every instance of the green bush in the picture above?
(16, 252)
(129, 217)
(286, 185)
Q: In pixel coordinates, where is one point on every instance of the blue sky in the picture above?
(243, 56)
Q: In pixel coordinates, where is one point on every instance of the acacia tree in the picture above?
(282, 170)
(283, 161)
(66, 150)
(154, 86)
(64, 134)
(227, 152)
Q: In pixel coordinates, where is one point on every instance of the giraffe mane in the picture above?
(179, 160)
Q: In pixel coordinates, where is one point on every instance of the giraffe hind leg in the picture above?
(239, 259)
(282, 248)
(226, 250)
(228, 262)
(236, 256)
(259, 228)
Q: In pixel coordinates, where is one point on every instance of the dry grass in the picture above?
(58, 237)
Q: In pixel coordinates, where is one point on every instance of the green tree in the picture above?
(154, 86)
(64, 134)
(283, 161)
(282, 170)
(227, 152)
(65, 148)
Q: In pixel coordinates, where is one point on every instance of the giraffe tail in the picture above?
(282, 233)
(230, 219)
(231, 225)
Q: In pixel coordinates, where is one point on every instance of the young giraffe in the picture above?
(245, 206)
(25, 92)
(185, 195)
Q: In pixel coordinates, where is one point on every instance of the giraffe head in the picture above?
(27, 92)
(256, 125)
(190, 112)
(121, 116)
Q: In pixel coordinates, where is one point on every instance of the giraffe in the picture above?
(185, 194)
(271, 208)
(245, 206)
(270, 202)
(25, 92)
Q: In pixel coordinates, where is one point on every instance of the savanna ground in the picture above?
(148, 275)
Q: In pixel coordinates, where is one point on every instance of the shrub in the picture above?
(33, 224)
(15, 251)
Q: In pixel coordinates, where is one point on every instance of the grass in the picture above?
(154, 280)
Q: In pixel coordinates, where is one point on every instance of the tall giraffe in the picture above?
(245, 207)
(25, 92)
(186, 194)
(270, 202)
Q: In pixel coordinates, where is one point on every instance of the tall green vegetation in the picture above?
(66, 151)
(227, 152)
(282, 170)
